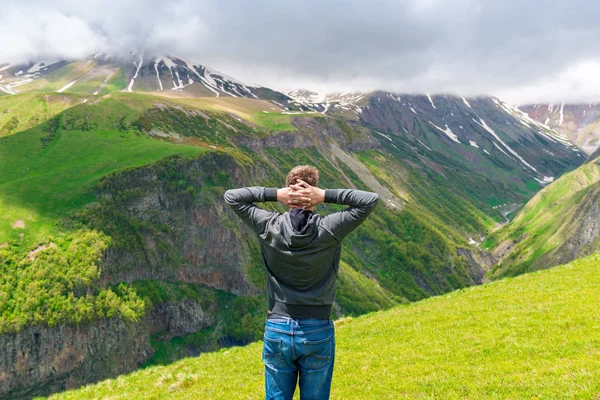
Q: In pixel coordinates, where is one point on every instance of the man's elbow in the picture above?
(229, 197)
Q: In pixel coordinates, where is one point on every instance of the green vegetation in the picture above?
(359, 294)
(545, 222)
(57, 283)
(21, 112)
(534, 336)
(115, 83)
(274, 121)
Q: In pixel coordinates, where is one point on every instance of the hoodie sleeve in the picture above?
(242, 202)
(343, 222)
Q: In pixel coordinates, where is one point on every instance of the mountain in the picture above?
(116, 247)
(467, 344)
(100, 75)
(579, 122)
(557, 225)
(478, 134)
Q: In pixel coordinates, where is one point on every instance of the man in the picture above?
(301, 251)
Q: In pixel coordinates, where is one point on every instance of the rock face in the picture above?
(479, 131)
(195, 242)
(177, 319)
(582, 233)
(479, 262)
(42, 360)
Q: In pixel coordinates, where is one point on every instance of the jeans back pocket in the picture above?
(272, 354)
(318, 352)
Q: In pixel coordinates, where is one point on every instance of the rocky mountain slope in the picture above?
(487, 128)
(579, 122)
(557, 225)
(112, 209)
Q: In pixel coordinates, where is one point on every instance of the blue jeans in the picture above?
(298, 350)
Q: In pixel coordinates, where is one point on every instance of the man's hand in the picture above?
(285, 198)
(304, 195)
(300, 195)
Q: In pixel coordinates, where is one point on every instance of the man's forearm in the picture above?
(250, 194)
(351, 197)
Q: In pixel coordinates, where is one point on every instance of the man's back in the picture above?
(301, 249)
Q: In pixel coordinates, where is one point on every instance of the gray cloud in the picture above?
(524, 50)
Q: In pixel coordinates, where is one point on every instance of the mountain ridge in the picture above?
(579, 122)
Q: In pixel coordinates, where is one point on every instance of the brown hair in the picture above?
(307, 173)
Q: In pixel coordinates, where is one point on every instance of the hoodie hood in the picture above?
(299, 227)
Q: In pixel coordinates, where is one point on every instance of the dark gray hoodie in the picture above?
(301, 249)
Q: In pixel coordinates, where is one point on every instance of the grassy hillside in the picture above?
(553, 217)
(18, 113)
(50, 170)
(534, 336)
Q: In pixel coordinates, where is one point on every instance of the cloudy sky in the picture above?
(522, 51)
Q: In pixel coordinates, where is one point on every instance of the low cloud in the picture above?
(524, 51)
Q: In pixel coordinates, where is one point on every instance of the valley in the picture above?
(117, 250)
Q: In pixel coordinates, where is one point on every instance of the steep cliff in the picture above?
(556, 226)
(42, 360)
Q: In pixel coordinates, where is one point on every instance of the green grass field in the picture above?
(536, 336)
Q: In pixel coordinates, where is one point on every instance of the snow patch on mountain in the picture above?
(447, 131)
(430, 100)
(158, 75)
(538, 127)
(562, 113)
(385, 136)
(7, 90)
(62, 89)
(427, 147)
(491, 131)
(137, 70)
(545, 180)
